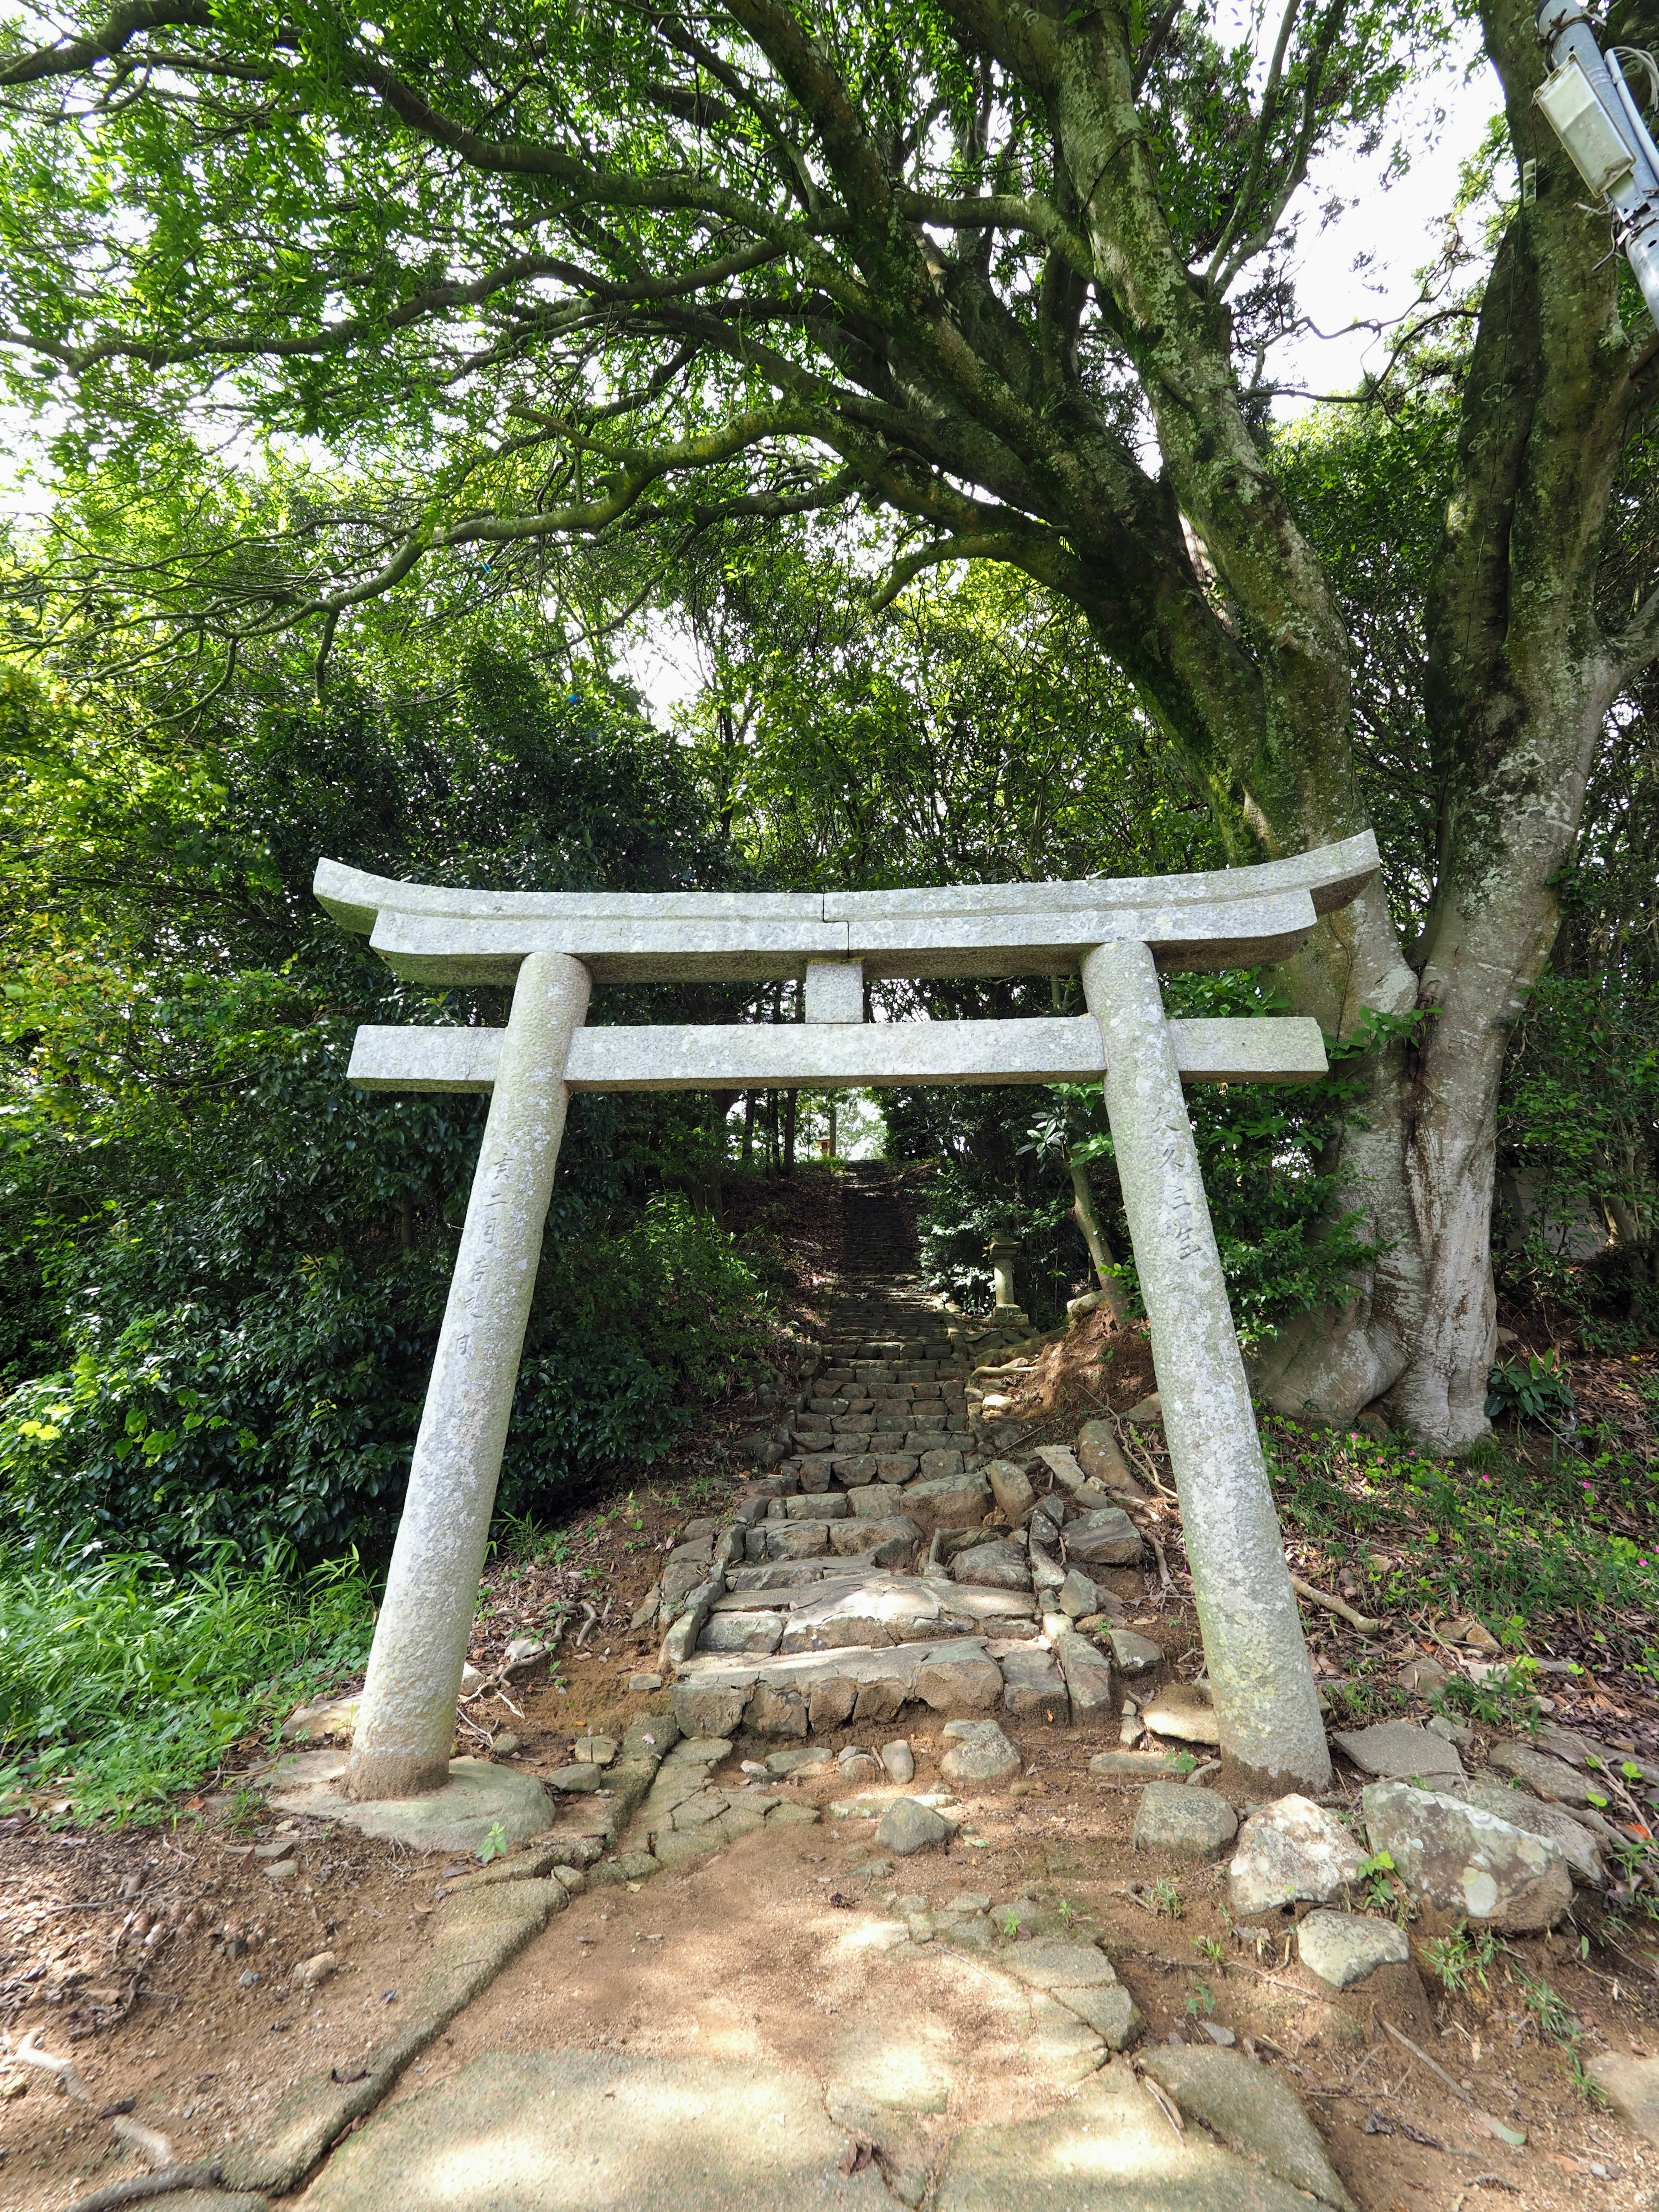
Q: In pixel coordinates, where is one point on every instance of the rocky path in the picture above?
(888, 1872)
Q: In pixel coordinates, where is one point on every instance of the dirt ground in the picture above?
(773, 1950)
(162, 1961)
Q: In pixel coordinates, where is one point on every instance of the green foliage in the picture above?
(1507, 1697)
(1463, 1958)
(1506, 1539)
(1531, 1388)
(124, 1683)
(225, 1268)
(493, 1845)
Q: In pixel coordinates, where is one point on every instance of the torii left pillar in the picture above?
(406, 1719)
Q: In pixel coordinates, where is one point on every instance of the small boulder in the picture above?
(1148, 1411)
(1184, 1711)
(907, 1825)
(1190, 1824)
(996, 1565)
(1630, 2086)
(1344, 1948)
(1252, 2110)
(1553, 1778)
(1467, 1861)
(1100, 1457)
(1012, 1492)
(1134, 1655)
(1399, 1751)
(979, 1754)
(1106, 1537)
(1291, 1849)
(899, 1760)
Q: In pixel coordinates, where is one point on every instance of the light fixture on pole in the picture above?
(1588, 103)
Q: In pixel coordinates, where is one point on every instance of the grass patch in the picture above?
(1524, 1539)
(123, 1682)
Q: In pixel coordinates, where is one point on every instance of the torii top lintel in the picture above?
(1227, 917)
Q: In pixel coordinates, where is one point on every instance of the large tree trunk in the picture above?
(1521, 679)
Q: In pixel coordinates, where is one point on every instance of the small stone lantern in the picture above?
(1002, 1251)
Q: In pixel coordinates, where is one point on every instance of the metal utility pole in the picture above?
(1588, 103)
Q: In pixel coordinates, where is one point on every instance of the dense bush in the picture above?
(224, 1269)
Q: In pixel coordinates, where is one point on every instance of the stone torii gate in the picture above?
(552, 947)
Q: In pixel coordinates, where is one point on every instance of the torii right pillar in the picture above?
(1266, 1702)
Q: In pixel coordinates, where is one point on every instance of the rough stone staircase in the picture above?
(891, 1556)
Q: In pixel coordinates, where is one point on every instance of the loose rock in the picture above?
(908, 1826)
(1190, 1824)
(978, 1753)
(1467, 1861)
(1630, 2086)
(1291, 1850)
(1344, 1948)
(1398, 1750)
(1577, 1845)
(899, 1760)
(1134, 1655)
(1182, 1710)
(1553, 1778)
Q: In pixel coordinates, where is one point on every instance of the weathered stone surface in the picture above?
(1011, 1489)
(898, 1761)
(1057, 1965)
(455, 1820)
(979, 1754)
(1088, 1676)
(908, 1826)
(1291, 1850)
(1109, 2148)
(577, 2130)
(742, 1632)
(1034, 1688)
(1468, 1861)
(968, 1685)
(777, 1710)
(1060, 2045)
(475, 1935)
(787, 1539)
(945, 1498)
(891, 1542)
(709, 1708)
(574, 1779)
(830, 1704)
(1254, 2110)
(901, 2148)
(1190, 1824)
(1344, 1948)
(1182, 1710)
(885, 2060)
(939, 1464)
(996, 1565)
(829, 1506)
(1577, 1845)
(1553, 1778)
(1100, 1457)
(1135, 1765)
(1103, 1538)
(1109, 2009)
(1077, 1597)
(1398, 1750)
(1630, 2086)
(1134, 1655)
